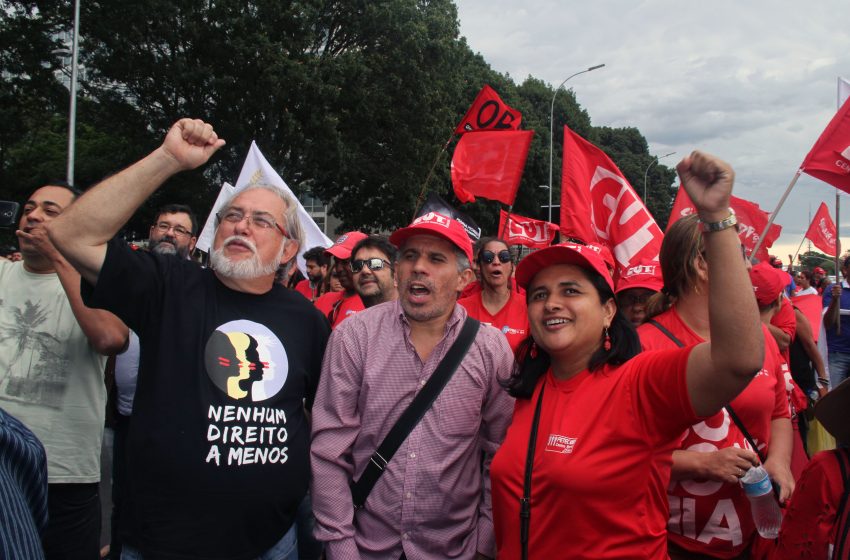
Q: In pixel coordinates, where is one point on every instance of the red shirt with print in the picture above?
(601, 463)
(511, 319)
(711, 517)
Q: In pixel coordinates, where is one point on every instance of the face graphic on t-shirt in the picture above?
(245, 360)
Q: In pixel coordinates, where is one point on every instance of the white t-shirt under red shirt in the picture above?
(712, 517)
(601, 463)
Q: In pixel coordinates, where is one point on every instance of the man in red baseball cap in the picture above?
(336, 306)
(431, 499)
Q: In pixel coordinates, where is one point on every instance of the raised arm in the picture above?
(81, 232)
(105, 332)
(719, 370)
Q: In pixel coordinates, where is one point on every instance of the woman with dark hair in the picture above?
(709, 514)
(584, 466)
(498, 303)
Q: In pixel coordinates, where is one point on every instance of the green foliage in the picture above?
(810, 259)
(352, 101)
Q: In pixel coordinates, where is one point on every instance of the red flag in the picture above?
(829, 158)
(489, 164)
(599, 205)
(526, 231)
(822, 231)
(489, 112)
(751, 221)
(812, 307)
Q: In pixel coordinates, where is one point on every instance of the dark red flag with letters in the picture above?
(822, 231)
(489, 112)
(598, 205)
(520, 230)
(489, 164)
(829, 158)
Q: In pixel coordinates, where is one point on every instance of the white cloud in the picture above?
(754, 82)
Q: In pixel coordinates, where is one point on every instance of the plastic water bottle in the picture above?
(766, 513)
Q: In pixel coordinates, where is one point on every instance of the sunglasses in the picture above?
(489, 256)
(374, 264)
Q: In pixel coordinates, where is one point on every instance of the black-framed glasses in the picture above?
(263, 220)
(374, 264)
(489, 256)
(164, 227)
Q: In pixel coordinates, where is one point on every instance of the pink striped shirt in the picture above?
(432, 500)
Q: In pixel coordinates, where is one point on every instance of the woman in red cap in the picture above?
(709, 514)
(583, 469)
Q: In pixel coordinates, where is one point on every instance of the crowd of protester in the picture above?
(409, 396)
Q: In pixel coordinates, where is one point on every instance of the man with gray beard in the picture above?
(217, 453)
(174, 232)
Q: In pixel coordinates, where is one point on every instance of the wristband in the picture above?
(710, 227)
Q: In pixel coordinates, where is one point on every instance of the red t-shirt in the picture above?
(785, 320)
(511, 319)
(601, 463)
(714, 517)
(303, 288)
(810, 524)
(336, 307)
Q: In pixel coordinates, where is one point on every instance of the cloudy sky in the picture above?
(753, 82)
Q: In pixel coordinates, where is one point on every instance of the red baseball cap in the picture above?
(819, 270)
(643, 275)
(564, 253)
(343, 245)
(605, 253)
(768, 282)
(439, 225)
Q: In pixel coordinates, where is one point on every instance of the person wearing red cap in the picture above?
(634, 288)
(337, 306)
(603, 418)
(498, 303)
(709, 514)
(817, 522)
(819, 277)
(431, 499)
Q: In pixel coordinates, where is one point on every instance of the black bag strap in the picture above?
(525, 502)
(842, 516)
(414, 413)
(732, 414)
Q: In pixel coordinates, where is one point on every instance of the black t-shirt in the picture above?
(218, 452)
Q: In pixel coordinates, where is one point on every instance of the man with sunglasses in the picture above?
(373, 270)
(229, 361)
(498, 303)
(174, 231)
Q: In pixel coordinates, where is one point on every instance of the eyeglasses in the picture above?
(164, 227)
(489, 256)
(262, 220)
(374, 264)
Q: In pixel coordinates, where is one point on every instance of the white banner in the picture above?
(256, 170)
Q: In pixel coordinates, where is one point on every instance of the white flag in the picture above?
(256, 169)
(843, 90)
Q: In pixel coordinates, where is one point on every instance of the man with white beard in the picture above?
(217, 454)
(174, 232)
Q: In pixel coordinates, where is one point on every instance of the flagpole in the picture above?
(421, 196)
(800, 246)
(837, 252)
(774, 213)
(507, 219)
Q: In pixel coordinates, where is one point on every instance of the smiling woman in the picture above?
(597, 422)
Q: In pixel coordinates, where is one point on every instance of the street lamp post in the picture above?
(551, 124)
(72, 113)
(646, 173)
